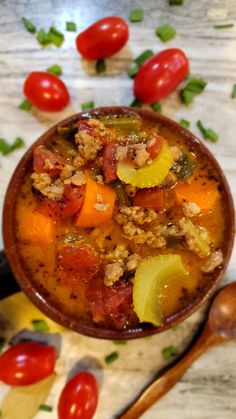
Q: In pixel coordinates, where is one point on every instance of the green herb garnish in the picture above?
(208, 133)
(132, 71)
(100, 66)
(120, 342)
(55, 36)
(71, 26)
(187, 166)
(195, 85)
(143, 57)
(40, 325)
(136, 15)
(176, 2)
(43, 37)
(185, 123)
(233, 94)
(135, 103)
(224, 26)
(113, 356)
(55, 69)
(29, 25)
(175, 328)
(6, 148)
(187, 97)
(165, 32)
(156, 107)
(2, 343)
(169, 352)
(25, 105)
(86, 106)
(45, 408)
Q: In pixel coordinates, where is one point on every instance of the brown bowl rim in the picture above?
(45, 306)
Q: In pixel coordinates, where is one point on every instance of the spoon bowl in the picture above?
(222, 315)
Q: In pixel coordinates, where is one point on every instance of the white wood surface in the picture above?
(208, 389)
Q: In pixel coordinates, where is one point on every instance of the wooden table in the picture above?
(208, 389)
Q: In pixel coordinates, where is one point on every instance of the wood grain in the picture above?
(208, 389)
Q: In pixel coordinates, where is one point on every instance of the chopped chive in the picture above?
(186, 124)
(169, 352)
(43, 37)
(132, 71)
(71, 26)
(136, 15)
(143, 57)
(86, 106)
(19, 142)
(201, 128)
(113, 356)
(176, 328)
(195, 85)
(6, 148)
(40, 325)
(29, 25)
(135, 103)
(120, 342)
(208, 133)
(55, 69)
(187, 96)
(25, 105)
(165, 32)
(2, 343)
(45, 407)
(176, 2)
(224, 26)
(156, 107)
(100, 66)
(55, 36)
(233, 94)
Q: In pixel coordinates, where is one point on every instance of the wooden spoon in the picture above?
(219, 328)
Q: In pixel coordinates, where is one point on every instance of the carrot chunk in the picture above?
(36, 227)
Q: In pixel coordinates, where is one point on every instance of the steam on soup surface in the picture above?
(119, 221)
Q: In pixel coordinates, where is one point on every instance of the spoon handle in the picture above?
(168, 379)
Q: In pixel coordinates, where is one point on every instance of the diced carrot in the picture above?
(150, 198)
(98, 205)
(36, 227)
(202, 191)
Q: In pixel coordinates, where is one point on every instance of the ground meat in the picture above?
(119, 254)
(141, 155)
(132, 262)
(213, 262)
(193, 234)
(139, 236)
(121, 152)
(176, 152)
(136, 214)
(113, 272)
(89, 141)
(190, 209)
(41, 180)
(78, 178)
(67, 172)
(43, 183)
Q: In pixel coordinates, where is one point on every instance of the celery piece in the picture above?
(197, 237)
(151, 278)
(187, 166)
(124, 124)
(149, 175)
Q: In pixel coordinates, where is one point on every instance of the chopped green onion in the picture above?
(195, 85)
(224, 26)
(233, 94)
(156, 107)
(132, 71)
(176, 2)
(6, 148)
(40, 325)
(113, 356)
(135, 103)
(45, 408)
(86, 106)
(43, 37)
(136, 15)
(29, 25)
(169, 352)
(25, 105)
(71, 26)
(100, 66)
(175, 328)
(120, 342)
(143, 57)
(55, 37)
(185, 123)
(208, 133)
(165, 32)
(2, 343)
(55, 69)
(187, 96)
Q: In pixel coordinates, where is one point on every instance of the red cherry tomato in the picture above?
(46, 91)
(26, 363)
(160, 74)
(79, 397)
(103, 39)
(79, 258)
(156, 146)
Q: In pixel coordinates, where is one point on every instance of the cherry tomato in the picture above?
(155, 147)
(26, 363)
(150, 198)
(45, 161)
(79, 397)
(109, 162)
(80, 258)
(103, 39)
(160, 74)
(46, 91)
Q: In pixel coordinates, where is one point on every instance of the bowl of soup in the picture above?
(118, 223)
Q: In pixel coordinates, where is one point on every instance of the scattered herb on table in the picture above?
(135, 103)
(113, 356)
(29, 25)
(175, 328)
(55, 69)
(43, 37)
(40, 325)
(165, 32)
(156, 107)
(176, 2)
(71, 26)
(208, 133)
(224, 26)
(120, 342)
(233, 94)
(25, 105)
(2, 343)
(169, 352)
(140, 59)
(6, 148)
(55, 36)
(185, 123)
(195, 85)
(86, 106)
(136, 15)
(187, 97)
(45, 408)
(132, 71)
(100, 66)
